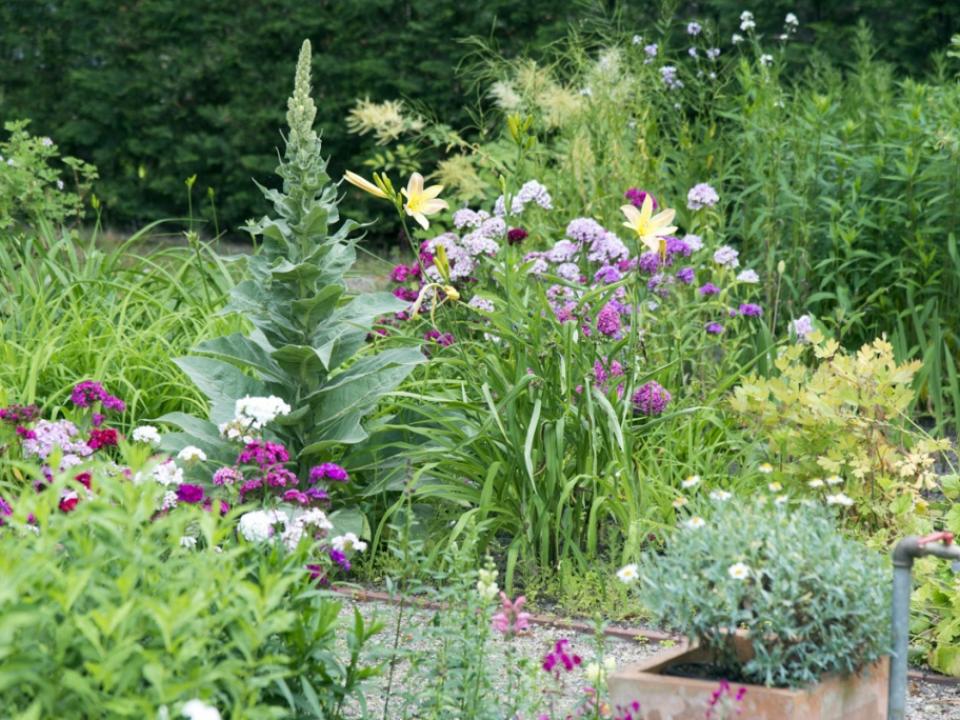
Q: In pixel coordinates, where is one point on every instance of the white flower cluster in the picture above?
(746, 21)
(146, 434)
(257, 412)
(167, 473)
(199, 710)
(191, 454)
(348, 543)
(487, 587)
(260, 526)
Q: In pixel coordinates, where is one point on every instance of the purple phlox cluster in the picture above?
(702, 195)
(585, 231)
(649, 262)
(568, 271)
(660, 283)
(651, 399)
(89, 392)
(478, 302)
(484, 240)
(562, 251)
(539, 264)
(750, 310)
(668, 73)
(677, 246)
(48, 436)
(727, 257)
(459, 258)
(607, 275)
(604, 374)
(651, 52)
(609, 248)
(694, 242)
(19, 414)
(708, 289)
(801, 327)
(724, 702)
(636, 197)
(686, 275)
(560, 659)
(565, 312)
(465, 217)
(714, 328)
(435, 336)
(530, 192)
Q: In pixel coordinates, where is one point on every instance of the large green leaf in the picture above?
(221, 382)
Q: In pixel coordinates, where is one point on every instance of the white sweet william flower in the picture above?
(736, 39)
(256, 412)
(628, 574)
(191, 454)
(746, 21)
(199, 710)
(766, 60)
(739, 571)
(258, 525)
(839, 499)
(348, 542)
(167, 473)
(147, 434)
(791, 20)
(748, 276)
(691, 481)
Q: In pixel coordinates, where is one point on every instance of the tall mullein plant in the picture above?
(308, 341)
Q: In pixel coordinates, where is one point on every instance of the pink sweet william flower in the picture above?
(191, 494)
(511, 620)
(328, 471)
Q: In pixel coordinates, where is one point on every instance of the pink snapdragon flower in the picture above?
(511, 620)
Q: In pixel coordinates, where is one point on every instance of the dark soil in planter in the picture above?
(707, 671)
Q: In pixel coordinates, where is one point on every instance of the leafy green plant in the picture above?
(307, 342)
(846, 415)
(110, 600)
(31, 188)
(811, 601)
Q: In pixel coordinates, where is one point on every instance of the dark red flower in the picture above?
(102, 437)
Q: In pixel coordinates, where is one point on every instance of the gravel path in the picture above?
(927, 701)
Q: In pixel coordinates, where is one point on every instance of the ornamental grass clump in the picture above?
(811, 601)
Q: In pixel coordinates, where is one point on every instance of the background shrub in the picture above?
(156, 91)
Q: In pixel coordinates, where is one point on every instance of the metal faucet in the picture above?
(938, 544)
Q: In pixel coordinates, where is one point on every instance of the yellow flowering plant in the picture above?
(841, 427)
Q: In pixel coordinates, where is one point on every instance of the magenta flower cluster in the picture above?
(651, 399)
(560, 658)
(89, 393)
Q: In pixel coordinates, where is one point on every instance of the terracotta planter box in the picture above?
(664, 697)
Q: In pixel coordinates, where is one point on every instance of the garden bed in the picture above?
(927, 700)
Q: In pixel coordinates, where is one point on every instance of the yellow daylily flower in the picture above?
(650, 228)
(364, 184)
(422, 202)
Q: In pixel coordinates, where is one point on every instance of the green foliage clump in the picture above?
(32, 191)
(847, 416)
(811, 601)
(307, 342)
(105, 612)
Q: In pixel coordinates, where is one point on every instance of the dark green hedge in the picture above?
(154, 91)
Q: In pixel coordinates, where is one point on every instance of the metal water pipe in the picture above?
(938, 544)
